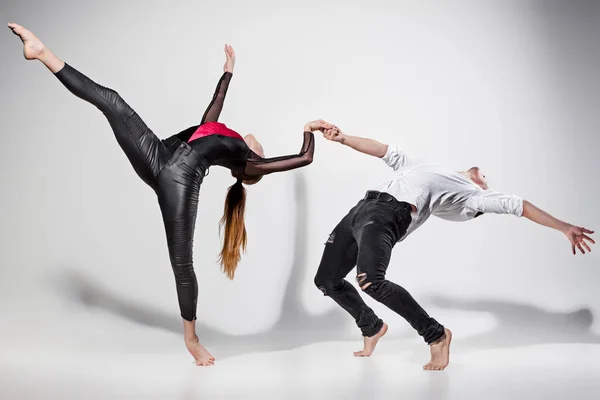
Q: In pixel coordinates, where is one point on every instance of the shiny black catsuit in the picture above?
(176, 169)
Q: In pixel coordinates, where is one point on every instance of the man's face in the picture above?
(479, 178)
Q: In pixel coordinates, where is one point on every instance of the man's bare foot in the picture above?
(371, 342)
(200, 354)
(33, 48)
(440, 353)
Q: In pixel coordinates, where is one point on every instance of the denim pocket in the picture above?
(403, 216)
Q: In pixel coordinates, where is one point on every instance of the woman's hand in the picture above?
(230, 59)
(317, 125)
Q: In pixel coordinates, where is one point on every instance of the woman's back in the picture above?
(225, 151)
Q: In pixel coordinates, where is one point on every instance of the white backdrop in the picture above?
(509, 86)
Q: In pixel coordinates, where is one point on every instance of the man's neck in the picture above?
(466, 174)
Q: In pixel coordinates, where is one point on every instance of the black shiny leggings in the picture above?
(170, 167)
(365, 238)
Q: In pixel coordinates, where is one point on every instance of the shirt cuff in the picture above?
(519, 208)
(388, 154)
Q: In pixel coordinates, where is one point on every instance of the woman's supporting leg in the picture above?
(144, 150)
(178, 188)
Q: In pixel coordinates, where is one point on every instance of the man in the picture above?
(387, 215)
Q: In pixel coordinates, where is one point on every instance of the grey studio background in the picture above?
(509, 86)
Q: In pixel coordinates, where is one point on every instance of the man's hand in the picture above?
(334, 134)
(317, 125)
(230, 59)
(577, 236)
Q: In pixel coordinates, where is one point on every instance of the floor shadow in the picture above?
(522, 324)
(294, 328)
(519, 324)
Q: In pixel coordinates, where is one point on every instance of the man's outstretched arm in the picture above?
(492, 202)
(364, 145)
(576, 234)
(393, 156)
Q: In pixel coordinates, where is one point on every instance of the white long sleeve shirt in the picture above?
(440, 191)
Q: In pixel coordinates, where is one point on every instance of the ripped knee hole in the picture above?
(361, 278)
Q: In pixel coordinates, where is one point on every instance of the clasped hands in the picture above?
(330, 131)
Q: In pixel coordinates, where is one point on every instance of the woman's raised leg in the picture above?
(144, 150)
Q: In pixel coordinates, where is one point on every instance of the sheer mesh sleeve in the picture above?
(256, 165)
(216, 105)
(214, 108)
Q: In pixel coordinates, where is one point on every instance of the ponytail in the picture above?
(234, 241)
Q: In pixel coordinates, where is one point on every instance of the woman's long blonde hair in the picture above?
(235, 238)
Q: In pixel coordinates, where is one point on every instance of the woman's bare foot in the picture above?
(371, 342)
(440, 353)
(200, 354)
(34, 49)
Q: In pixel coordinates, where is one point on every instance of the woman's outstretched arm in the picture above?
(257, 166)
(216, 105)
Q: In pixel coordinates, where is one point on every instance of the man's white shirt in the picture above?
(440, 191)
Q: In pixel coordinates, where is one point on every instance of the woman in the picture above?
(175, 168)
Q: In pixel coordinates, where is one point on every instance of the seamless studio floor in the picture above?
(103, 347)
(79, 339)
(156, 367)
